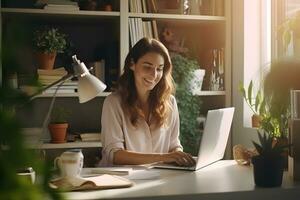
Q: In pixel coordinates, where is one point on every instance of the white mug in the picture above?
(70, 163)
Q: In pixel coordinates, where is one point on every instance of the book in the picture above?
(119, 171)
(55, 72)
(90, 136)
(50, 77)
(155, 31)
(62, 2)
(60, 91)
(99, 70)
(104, 181)
(61, 7)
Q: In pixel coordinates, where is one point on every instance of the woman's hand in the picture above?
(180, 158)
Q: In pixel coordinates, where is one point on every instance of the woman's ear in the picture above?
(132, 65)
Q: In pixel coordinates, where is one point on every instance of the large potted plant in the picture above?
(255, 102)
(14, 154)
(58, 125)
(47, 42)
(290, 31)
(188, 104)
(268, 165)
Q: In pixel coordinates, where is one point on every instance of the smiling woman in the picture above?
(140, 121)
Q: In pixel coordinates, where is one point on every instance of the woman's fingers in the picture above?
(183, 159)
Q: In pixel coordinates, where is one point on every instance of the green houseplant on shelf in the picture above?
(47, 42)
(58, 124)
(188, 104)
(256, 102)
(268, 165)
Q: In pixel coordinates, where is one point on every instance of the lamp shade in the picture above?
(89, 87)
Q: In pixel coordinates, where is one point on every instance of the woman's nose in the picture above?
(153, 73)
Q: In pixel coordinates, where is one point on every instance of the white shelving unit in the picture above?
(67, 145)
(41, 12)
(122, 17)
(45, 95)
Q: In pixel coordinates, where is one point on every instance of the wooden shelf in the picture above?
(42, 12)
(66, 145)
(103, 94)
(177, 16)
(210, 93)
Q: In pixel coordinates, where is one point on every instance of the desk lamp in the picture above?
(88, 87)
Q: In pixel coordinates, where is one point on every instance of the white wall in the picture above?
(245, 63)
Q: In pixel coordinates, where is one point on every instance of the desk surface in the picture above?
(221, 180)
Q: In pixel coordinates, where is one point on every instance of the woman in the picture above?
(140, 121)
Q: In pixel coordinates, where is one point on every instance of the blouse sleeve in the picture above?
(112, 134)
(175, 142)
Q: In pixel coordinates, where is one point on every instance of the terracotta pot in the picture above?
(45, 60)
(256, 121)
(58, 132)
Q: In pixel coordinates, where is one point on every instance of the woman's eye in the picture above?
(147, 66)
(160, 69)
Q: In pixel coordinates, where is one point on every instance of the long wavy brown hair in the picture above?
(159, 97)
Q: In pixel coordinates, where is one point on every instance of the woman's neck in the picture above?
(143, 103)
(143, 97)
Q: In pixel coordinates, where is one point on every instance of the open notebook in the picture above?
(104, 181)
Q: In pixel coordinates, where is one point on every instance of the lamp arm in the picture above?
(63, 79)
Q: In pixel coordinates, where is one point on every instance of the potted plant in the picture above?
(188, 104)
(268, 165)
(256, 103)
(47, 42)
(290, 31)
(58, 125)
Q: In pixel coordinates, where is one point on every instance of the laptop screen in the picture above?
(215, 136)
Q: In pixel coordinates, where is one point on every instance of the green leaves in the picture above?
(257, 104)
(60, 115)
(49, 40)
(267, 146)
(250, 92)
(188, 105)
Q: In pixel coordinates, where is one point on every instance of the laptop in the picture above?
(213, 142)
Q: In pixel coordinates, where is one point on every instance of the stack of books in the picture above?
(85, 137)
(47, 77)
(61, 5)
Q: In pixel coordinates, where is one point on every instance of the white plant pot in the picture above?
(197, 80)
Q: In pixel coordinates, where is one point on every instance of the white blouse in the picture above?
(118, 132)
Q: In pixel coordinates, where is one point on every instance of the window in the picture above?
(256, 41)
(286, 16)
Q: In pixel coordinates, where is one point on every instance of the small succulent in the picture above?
(59, 115)
(267, 148)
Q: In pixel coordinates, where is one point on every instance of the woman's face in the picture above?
(148, 71)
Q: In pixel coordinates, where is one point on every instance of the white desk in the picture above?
(222, 180)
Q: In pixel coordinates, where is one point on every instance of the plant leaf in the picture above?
(242, 90)
(257, 100)
(258, 148)
(262, 108)
(250, 92)
(260, 137)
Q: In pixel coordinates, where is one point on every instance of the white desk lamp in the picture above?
(88, 87)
